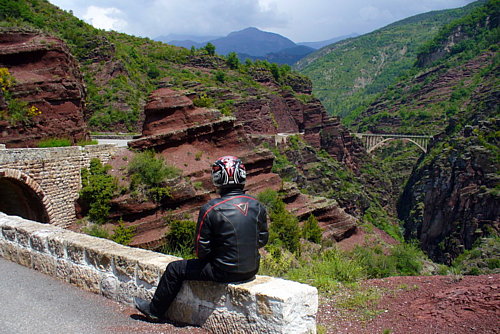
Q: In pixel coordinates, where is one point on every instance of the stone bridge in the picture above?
(372, 141)
(42, 184)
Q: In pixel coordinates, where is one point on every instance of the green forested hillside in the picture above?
(450, 199)
(349, 74)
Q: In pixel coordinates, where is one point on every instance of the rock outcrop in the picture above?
(284, 113)
(452, 197)
(48, 78)
(191, 138)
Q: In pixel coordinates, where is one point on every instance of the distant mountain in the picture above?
(185, 38)
(250, 43)
(349, 74)
(320, 44)
(287, 56)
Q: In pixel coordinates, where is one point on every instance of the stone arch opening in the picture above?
(19, 199)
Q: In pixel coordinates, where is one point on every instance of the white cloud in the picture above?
(299, 20)
(371, 13)
(105, 18)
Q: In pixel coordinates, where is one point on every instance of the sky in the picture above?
(298, 20)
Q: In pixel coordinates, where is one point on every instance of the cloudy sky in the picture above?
(299, 20)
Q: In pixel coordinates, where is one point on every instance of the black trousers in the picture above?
(193, 270)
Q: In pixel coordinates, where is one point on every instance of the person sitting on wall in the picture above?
(229, 232)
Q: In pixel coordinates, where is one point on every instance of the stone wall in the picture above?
(53, 174)
(264, 305)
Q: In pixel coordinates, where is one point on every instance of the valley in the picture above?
(384, 211)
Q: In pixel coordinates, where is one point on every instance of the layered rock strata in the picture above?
(191, 138)
(48, 78)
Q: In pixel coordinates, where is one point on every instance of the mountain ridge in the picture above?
(349, 74)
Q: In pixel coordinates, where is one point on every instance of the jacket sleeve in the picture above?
(203, 235)
(263, 230)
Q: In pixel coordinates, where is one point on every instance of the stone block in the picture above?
(149, 271)
(57, 243)
(84, 277)
(39, 240)
(44, 263)
(127, 259)
(109, 286)
(9, 233)
(24, 256)
(99, 258)
(126, 292)
(263, 305)
(63, 269)
(8, 250)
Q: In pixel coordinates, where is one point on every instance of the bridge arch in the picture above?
(22, 196)
(381, 143)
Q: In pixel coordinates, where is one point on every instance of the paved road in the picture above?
(117, 142)
(31, 302)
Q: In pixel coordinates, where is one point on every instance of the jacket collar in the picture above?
(231, 192)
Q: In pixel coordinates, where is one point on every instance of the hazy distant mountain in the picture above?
(253, 44)
(252, 41)
(286, 56)
(320, 44)
(185, 38)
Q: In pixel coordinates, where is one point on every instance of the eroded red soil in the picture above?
(424, 305)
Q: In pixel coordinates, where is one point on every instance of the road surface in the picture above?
(31, 302)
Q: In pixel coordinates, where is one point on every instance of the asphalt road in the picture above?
(31, 302)
(117, 142)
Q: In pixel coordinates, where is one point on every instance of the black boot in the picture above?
(145, 308)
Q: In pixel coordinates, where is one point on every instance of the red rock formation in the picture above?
(284, 113)
(191, 138)
(47, 77)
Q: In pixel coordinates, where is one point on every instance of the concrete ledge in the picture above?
(264, 305)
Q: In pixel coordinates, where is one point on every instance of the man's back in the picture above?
(230, 231)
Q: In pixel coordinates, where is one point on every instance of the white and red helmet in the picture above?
(228, 171)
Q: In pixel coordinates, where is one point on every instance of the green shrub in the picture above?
(408, 259)
(122, 234)
(97, 190)
(210, 49)
(482, 259)
(96, 231)
(232, 60)
(326, 270)
(54, 142)
(276, 261)
(145, 168)
(402, 259)
(284, 229)
(180, 238)
(203, 101)
(220, 76)
(311, 230)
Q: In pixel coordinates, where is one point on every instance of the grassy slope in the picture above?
(349, 74)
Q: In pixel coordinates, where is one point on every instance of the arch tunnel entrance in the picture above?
(17, 199)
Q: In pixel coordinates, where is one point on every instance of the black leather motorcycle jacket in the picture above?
(230, 231)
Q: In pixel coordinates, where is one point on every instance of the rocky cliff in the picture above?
(191, 138)
(47, 77)
(451, 199)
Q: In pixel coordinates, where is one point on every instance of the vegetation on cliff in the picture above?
(349, 74)
(451, 92)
